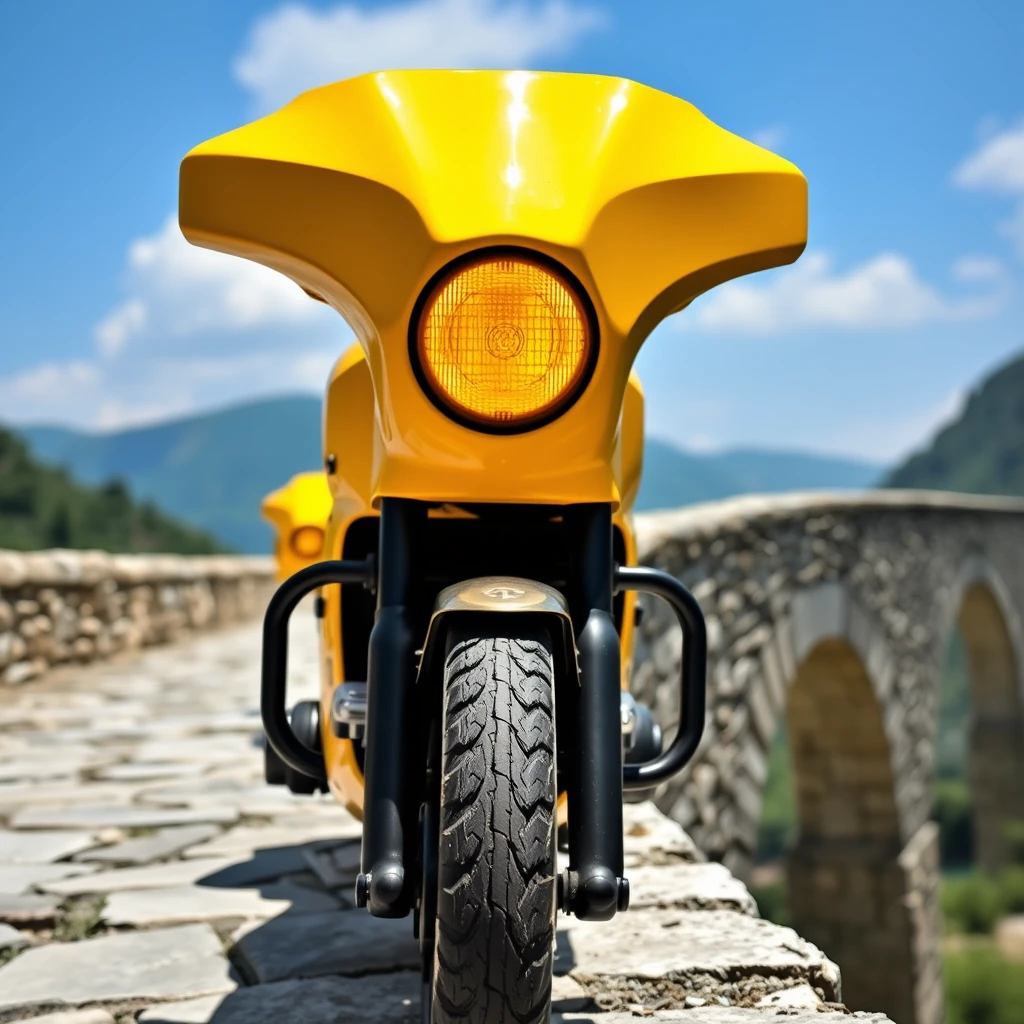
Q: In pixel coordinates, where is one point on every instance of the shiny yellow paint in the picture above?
(350, 435)
(362, 190)
(304, 501)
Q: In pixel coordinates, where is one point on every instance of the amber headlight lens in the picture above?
(307, 541)
(504, 342)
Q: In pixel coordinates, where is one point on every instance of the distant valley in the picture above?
(212, 470)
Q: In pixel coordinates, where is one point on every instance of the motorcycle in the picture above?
(299, 513)
(500, 243)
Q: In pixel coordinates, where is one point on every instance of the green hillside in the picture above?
(982, 451)
(42, 507)
(673, 477)
(211, 470)
(769, 472)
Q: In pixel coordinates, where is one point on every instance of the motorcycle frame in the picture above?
(593, 887)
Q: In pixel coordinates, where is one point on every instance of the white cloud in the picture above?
(702, 444)
(978, 268)
(1013, 227)
(296, 47)
(46, 383)
(196, 328)
(997, 166)
(178, 290)
(771, 137)
(884, 292)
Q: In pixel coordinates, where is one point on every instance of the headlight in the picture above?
(307, 541)
(504, 340)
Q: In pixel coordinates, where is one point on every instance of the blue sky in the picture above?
(908, 120)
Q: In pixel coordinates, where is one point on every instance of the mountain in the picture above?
(980, 452)
(42, 507)
(211, 470)
(673, 477)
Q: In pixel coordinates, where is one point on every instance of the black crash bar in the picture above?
(692, 676)
(273, 681)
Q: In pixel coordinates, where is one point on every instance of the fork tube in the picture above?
(383, 886)
(595, 888)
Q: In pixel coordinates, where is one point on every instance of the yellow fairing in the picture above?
(364, 190)
(298, 512)
(351, 437)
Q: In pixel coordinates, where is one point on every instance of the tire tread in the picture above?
(496, 896)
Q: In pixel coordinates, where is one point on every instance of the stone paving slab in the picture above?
(145, 849)
(162, 964)
(312, 945)
(27, 908)
(19, 878)
(42, 768)
(244, 840)
(336, 866)
(148, 771)
(651, 838)
(649, 956)
(724, 1015)
(122, 817)
(154, 876)
(318, 1001)
(95, 1015)
(42, 847)
(684, 886)
(65, 792)
(11, 938)
(145, 907)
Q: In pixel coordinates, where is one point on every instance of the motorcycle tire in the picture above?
(496, 895)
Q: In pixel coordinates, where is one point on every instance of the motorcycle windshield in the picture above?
(363, 190)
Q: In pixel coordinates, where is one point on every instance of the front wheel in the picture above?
(496, 895)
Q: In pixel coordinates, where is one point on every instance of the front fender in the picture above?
(499, 595)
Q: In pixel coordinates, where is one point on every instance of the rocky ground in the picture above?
(147, 873)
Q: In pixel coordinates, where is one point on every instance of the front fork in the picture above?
(593, 887)
(384, 886)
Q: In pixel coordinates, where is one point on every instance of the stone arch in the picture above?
(994, 643)
(863, 876)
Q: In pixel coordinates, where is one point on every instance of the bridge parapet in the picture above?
(64, 606)
(833, 613)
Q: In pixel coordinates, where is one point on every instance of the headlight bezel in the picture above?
(547, 413)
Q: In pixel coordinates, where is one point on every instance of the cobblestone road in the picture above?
(147, 873)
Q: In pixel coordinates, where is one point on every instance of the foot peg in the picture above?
(641, 734)
(348, 711)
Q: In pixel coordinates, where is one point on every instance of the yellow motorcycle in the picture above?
(299, 513)
(501, 243)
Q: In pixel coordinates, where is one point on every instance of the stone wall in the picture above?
(59, 607)
(833, 613)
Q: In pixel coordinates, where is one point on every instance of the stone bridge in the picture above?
(834, 613)
(138, 844)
